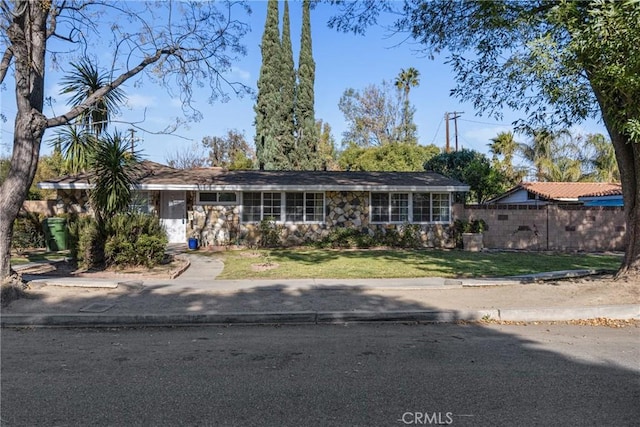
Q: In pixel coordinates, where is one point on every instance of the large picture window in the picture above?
(410, 207)
(290, 207)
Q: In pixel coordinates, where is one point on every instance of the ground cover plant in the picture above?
(400, 263)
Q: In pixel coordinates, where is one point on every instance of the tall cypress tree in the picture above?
(287, 93)
(267, 106)
(306, 131)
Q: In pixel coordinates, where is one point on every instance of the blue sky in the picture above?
(342, 61)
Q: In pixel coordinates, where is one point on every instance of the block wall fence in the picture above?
(549, 227)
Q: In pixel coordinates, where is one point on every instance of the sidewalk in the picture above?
(195, 297)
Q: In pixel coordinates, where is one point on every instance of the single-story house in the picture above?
(542, 193)
(223, 207)
(611, 197)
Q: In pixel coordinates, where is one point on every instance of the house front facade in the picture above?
(222, 207)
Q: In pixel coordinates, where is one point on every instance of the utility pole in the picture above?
(133, 140)
(455, 128)
(446, 122)
(455, 125)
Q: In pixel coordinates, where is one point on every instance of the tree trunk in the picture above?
(628, 155)
(27, 33)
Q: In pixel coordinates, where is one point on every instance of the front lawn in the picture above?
(361, 264)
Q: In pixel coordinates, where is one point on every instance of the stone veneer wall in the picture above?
(220, 224)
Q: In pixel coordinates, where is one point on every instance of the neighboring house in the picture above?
(542, 193)
(611, 197)
(223, 207)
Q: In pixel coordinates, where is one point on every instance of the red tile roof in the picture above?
(571, 190)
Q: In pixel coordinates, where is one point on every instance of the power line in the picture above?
(437, 131)
(482, 123)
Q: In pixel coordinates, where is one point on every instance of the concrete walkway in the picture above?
(196, 297)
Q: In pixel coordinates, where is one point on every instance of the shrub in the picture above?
(27, 232)
(410, 236)
(270, 233)
(343, 237)
(135, 239)
(85, 241)
(130, 239)
(465, 226)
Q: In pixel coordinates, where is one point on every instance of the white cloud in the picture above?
(241, 74)
(140, 101)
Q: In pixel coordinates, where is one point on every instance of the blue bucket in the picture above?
(193, 243)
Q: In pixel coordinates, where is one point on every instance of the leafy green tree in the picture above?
(557, 61)
(326, 146)
(269, 102)
(231, 151)
(472, 168)
(405, 81)
(286, 126)
(372, 115)
(307, 136)
(394, 156)
(193, 46)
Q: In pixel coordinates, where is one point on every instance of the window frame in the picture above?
(217, 200)
(389, 215)
(139, 196)
(283, 207)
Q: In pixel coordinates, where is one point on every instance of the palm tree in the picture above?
(540, 152)
(116, 170)
(75, 145)
(505, 145)
(564, 169)
(404, 82)
(603, 164)
(78, 140)
(82, 82)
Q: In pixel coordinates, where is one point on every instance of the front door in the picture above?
(173, 215)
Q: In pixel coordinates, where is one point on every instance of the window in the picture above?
(140, 202)
(295, 207)
(314, 207)
(421, 207)
(440, 209)
(251, 207)
(379, 207)
(271, 206)
(214, 198)
(413, 208)
(399, 207)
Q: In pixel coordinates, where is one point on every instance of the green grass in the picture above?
(37, 256)
(362, 264)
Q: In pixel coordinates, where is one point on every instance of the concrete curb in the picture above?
(622, 312)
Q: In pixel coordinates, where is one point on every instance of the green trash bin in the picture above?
(55, 234)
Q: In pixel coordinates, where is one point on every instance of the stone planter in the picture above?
(472, 242)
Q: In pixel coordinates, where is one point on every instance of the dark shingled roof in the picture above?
(155, 176)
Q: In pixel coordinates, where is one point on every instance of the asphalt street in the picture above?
(323, 375)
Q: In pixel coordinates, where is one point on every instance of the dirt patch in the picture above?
(250, 254)
(265, 266)
(167, 270)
